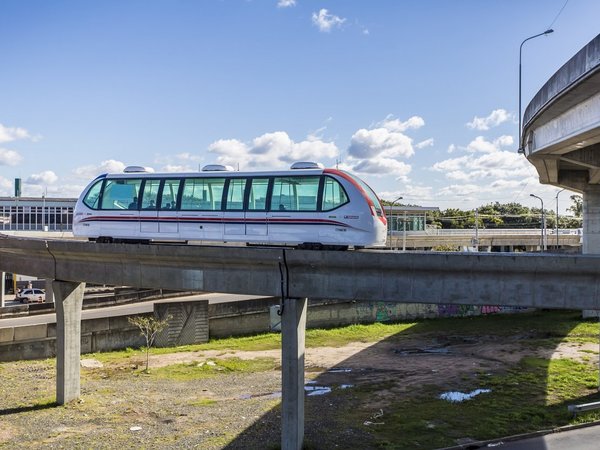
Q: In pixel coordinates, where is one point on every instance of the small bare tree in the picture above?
(149, 327)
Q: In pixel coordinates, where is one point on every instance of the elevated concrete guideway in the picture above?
(530, 280)
(561, 131)
(548, 281)
(561, 134)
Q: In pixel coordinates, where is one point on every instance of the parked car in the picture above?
(31, 296)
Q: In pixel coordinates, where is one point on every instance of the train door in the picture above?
(168, 220)
(293, 213)
(118, 214)
(256, 209)
(234, 223)
(149, 208)
(200, 212)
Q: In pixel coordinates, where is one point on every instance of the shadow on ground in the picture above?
(518, 370)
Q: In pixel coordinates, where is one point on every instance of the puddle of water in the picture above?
(340, 370)
(270, 395)
(421, 351)
(346, 386)
(317, 390)
(457, 397)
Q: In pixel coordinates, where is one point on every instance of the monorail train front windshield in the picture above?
(370, 194)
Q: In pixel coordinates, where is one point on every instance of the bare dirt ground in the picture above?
(122, 408)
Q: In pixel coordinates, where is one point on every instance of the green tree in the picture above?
(149, 327)
(577, 207)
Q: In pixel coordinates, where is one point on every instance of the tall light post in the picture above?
(557, 217)
(543, 221)
(391, 215)
(521, 149)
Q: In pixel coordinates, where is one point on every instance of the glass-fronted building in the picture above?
(407, 218)
(36, 214)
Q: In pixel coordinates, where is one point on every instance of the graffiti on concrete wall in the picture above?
(392, 311)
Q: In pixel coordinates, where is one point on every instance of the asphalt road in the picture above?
(587, 438)
(122, 310)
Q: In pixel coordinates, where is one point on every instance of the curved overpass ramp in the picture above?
(561, 134)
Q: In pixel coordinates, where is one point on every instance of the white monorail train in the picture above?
(307, 206)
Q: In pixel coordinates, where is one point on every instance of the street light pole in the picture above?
(543, 222)
(404, 232)
(557, 217)
(521, 149)
(391, 215)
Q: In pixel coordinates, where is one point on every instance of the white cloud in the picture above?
(410, 194)
(396, 125)
(325, 21)
(387, 141)
(379, 142)
(480, 144)
(426, 143)
(376, 151)
(496, 117)
(9, 157)
(6, 187)
(91, 171)
(170, 168)
(186, 160)
(186, 156)
(460, 190)
(286, 3)
(61, 190)
(500, 165)
(271, 151)
(43, 178)
(380, 167)
(8, 134)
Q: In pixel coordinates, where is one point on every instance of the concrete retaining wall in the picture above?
(190, 323)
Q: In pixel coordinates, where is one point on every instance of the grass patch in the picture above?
(532, 396)
(202, 402)
(193, 371)
(338, 337)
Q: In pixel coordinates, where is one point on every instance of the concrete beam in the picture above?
(588, 157)
(529, 280)
(69, 301)
(293, 329)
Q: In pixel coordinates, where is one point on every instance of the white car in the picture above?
(31, 296)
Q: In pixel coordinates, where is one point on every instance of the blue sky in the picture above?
(419, 98)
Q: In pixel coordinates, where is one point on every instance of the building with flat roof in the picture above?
(408, 218)
(36, 214)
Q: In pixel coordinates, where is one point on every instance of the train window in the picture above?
(150, 195)
(170, 190)
(369, 193)
(257, 199)
(333, 194)
(93, 195)
(235, 194)
(121, 194)
(295, 194)
(202, 194)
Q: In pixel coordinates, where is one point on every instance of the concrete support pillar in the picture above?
(69, 302)
(293, 329)
(591, 219)
(591, 230)
(49, 292)
(2, 289)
